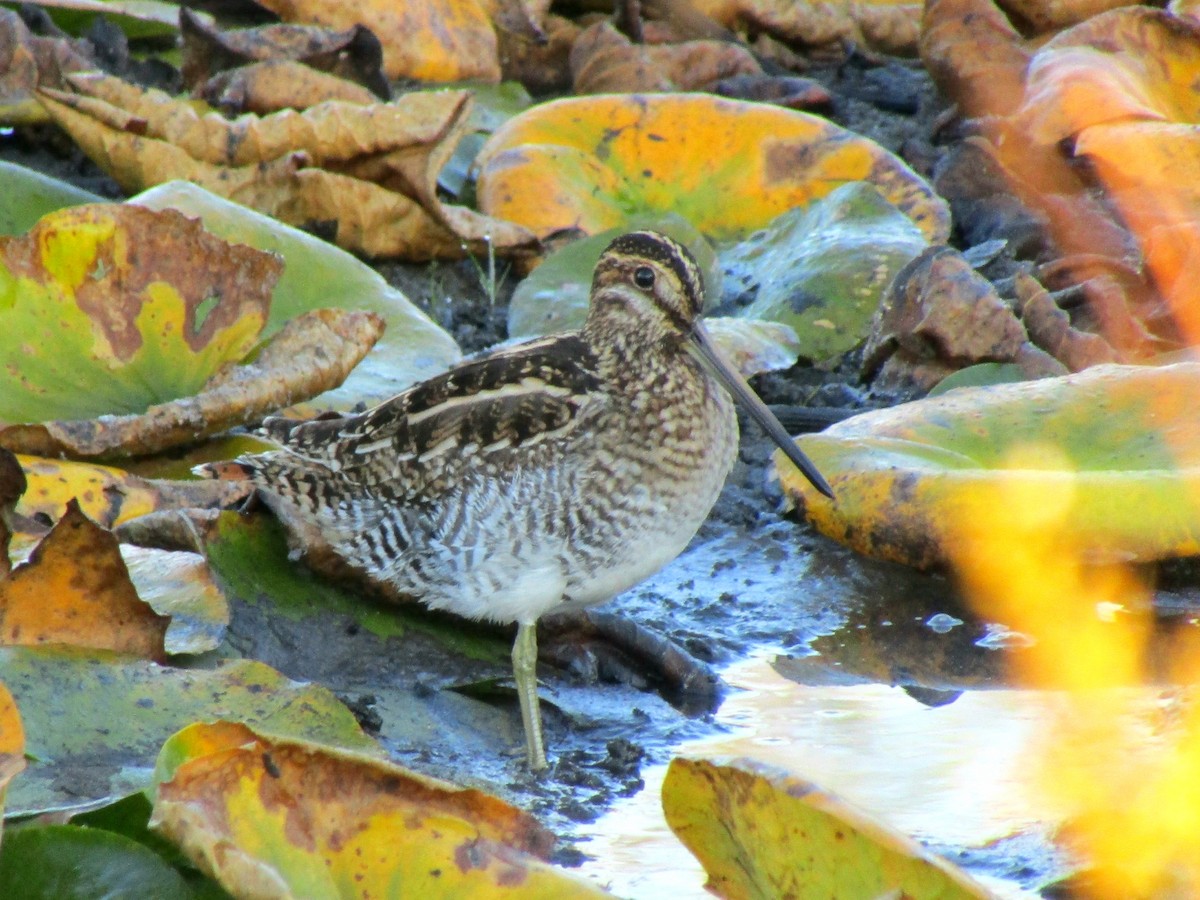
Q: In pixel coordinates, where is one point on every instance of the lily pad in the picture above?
(823, 269)
(760, 832)
(1116, 447)
(318, 275)
(728, 166)
(95, 723)
(269, 816)
(65, 862)
(29, 195)
(112, 309)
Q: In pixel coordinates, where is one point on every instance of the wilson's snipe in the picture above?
(550, 475)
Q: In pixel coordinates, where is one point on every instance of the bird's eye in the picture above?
(643, 277)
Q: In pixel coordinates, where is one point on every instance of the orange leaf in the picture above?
(75, 590)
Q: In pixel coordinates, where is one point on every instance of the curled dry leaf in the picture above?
(311, 354)
(1047, 15)
(541, 66)
(75, 590)
(1050, 328)
(590, 163)
(112, 309)
(107, 495)
(267, 87)
(889, 26)
(435, 40)
(354, 54)
(369, 170)
(286, 817)
(27, 62)
(605, 61)
(940, 315)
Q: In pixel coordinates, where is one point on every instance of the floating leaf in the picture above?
(760, 832)
(316, 276)
(1122, 443)
(312, 353)
(75, 590)
(823, 269)
(65, 862)
(29, 195)
(727, 166)
(111, 309)
(269, 815)
(94, 724)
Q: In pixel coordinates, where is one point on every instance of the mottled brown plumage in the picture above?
(554, 474)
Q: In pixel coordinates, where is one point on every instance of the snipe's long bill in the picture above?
(548, 476)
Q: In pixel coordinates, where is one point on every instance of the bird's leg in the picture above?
(524, 659)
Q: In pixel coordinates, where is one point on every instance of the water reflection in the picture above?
(943, 775)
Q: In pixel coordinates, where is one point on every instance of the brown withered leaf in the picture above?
(267, 87)
(606, 61)
(12, 486)
(311, 354)
(885, 25)
(940, 315)
(541, 66)
(792, 92)
(369, 172)
(74, 589)
(1039, 16)
(354, 54)
(27, 61)
(1050, 328)
(435, 40)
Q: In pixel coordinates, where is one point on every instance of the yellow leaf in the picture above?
(275, 817)
(761, 833)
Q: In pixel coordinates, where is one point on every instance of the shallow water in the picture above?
(948, 775)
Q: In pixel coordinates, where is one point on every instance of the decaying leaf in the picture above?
(439, 40)
(27, 62)
(319, 275)
(111, 309)
(889, 26)
(180, 586)
(1046, 15)
(283, 817)
(75, 590)
(590, 163)
(1120, 445)
(1050, 328)
(370, 171)
(106, 495)
(310, 355)
(940, 315)
(540, 65)
(760, 832)
(605, 61)
(267, 87)
(353, 54)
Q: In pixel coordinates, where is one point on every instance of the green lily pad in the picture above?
(1110, 457)
(66, 862)
(823, 268)
(980, 375)
(317, 276)
(491, 106)
(111, 309)
(762, 833)
(94, 723)
(29, 195)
